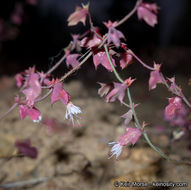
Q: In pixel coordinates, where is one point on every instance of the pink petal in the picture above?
(90, 42)
(155, 78)
(114, 36)
(19, 80)
(117, 93)
(34, 89)
(104, 89)
(100, 57)
(126, 59)
(59, 94)
(128, 117)
(78, 16)
(175, 104)
(147, 12)
(33, 113)
(71, 59)
(132, 135)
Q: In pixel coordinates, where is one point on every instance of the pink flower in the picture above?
(131, 136)
(33, 113)
(71, 112)
(126, 59)
(90, 42)
(19, 80)
(25, 148)
(174, 88)
(75, 43)
(175, 104)
(148, 12)
(155, 77)
(119, 91)
(31, 2)
(59, 94)
(114, 35)
(100, 57)
(128, 117)
(105, 88)
(71, 59)
(34, 89)
(16, 17)
(79, 15)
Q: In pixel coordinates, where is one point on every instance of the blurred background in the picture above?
(34, 31)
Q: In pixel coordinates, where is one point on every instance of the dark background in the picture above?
(44, 33)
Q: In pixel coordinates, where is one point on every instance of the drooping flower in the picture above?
(175, 104)
(128, 117)
(174, 88)
(34, 89)
(19, 79)
(148, 13)
(71, 59)
(131, 136)
(125, 60)
(59, 94)
(155, 77)
(114, 35)
(100, 57)
(25, 148)
(104, 89)
(32, 112)
(71, 113)
(75, 43)
(90, 42)
(79, 15)
(119, 90)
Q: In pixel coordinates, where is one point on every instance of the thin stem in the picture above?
(75, 68)
(132, 107)
(140, 61)
(45, 96)
(130, 14)
(9, 110)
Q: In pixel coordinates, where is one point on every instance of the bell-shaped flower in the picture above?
(175, 104)
(104, 89)
(119, 90)
(34, 89)
(91, 42)
(114, 35)
(125, 60)
(148, 13)
(131, 136)
(155, 77)
(59, 94)
(32, 112)
(71, 59)
(79, 15)
(100, 57)
(72, 112)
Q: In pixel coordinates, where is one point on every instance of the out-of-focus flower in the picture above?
(155, 77)
(25, 148)
(175, 104)
(34, 89)
(114, 35)
(148, 13)
(79, 15)
(32, 112)
(71, 113)
(19, 79)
